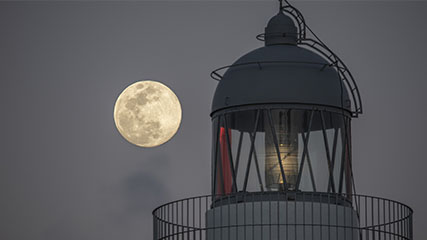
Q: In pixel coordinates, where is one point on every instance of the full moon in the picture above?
(147, 113)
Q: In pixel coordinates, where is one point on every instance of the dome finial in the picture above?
(281, 29)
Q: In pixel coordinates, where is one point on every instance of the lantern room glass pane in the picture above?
(281, 150)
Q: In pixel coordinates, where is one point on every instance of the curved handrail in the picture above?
(375, 215)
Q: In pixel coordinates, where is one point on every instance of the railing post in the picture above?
(154, 228)
(411, 236)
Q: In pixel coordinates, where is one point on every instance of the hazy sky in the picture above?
(65, 171)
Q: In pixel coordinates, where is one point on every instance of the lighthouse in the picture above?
(282, 152)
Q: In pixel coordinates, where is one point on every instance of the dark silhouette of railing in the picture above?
(372, 218)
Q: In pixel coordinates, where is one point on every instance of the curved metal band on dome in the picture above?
(261, 37)
(217, 76)
(272, 106)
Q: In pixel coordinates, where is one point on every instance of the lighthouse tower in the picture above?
(281, 152)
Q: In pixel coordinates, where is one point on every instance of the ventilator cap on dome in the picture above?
(281, 29)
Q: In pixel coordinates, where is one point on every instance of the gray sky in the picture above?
(65, 171)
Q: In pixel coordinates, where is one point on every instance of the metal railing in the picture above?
(283, 215)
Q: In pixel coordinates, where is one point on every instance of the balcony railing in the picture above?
(283, 215)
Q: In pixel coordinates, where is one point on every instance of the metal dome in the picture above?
(283, 73)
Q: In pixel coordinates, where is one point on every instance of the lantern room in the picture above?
(281, 116)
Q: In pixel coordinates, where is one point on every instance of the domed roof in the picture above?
(282, 73)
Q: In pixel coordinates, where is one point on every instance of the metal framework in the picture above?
(338, 122)
(377, 218)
